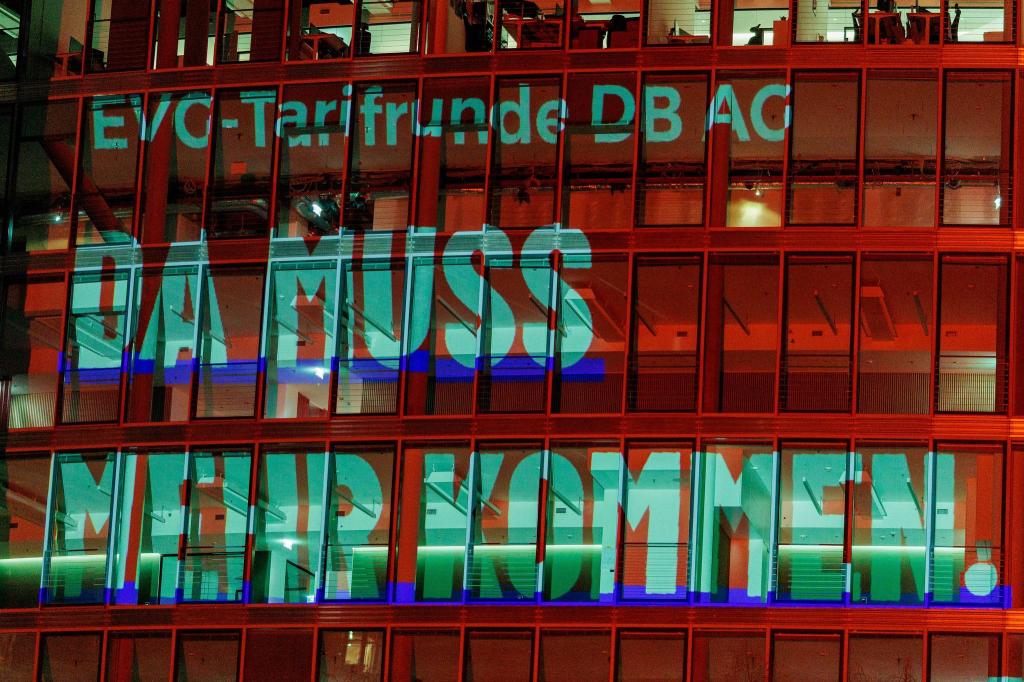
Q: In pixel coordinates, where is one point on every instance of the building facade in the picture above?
(509, 340)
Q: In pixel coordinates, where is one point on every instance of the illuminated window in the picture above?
(655, 545)
(747, 23)
(834, 22)
(184, 33)
(74, 571)
(672, 22)
(989, 22)
(967, 557)
(24, 486)
(666, 312)
(359, 481)
(817, 356)
(388, 26)
(319, 30)
(900, 125)
(250, 31)
(105, 200)
(734, 523)
(311, 160)
(582, 522)
(118, 31)
(40, 210)
(742, 338)
(216, 526)
(31, 339)
(973, 369)
(671, 168)
(889, 523)
(532, 25)
(812, 522)
(370, 337)
(442, 336)
(149, 517)
(300, 339)
(95, 345)
(977, 150)
(896, 334)
(175, 167)
(162, 358)
(351, 655)
(823, 148)
(289, 518)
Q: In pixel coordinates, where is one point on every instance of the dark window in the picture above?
(651, 656)
(210, 655)
(963, 657)
(24, 486)
(532, 25)
(890, 657)
(424, 656)
(70, 657)
(272, 655)
(250, 31)
(185, 33)
(806, 658)
(319, 30)
(119, 32)
(32, 349)
(17, 655)
(724, 657)
(142, 656)
(498, 655)
(568, 655)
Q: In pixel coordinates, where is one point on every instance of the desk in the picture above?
(885, 26)
(323, 46)
(533, 33)
(688, 40)
(923, 27)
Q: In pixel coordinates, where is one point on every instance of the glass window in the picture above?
(282, 654)
(31, 339)
(886, 23)
(599, 151)
(300, 339)
(967, 557)
(424, 656)
(216, 526)
(666, 319)
(896, 334)
(582, 522)
(239, 196)
(677, 23)
(890, 657)
(79, 525)
(370, 337)
(313, 127)
(250, 31)
(17, 655)
(10, 32)
(670, 173)
(185, 33)
(516, 341)
(963, 657)
(768, 23)
(607, 24)
(118, 33)
(289, 518)
(95, 345)
(505, 510)
(749, 117)
(1014, 643)
(442, 336)
(105, 199)
(6, 121)
(454, 131)
(41, 206)
(207, 656)
(161, 373)
(836, 22)
(139, 656)
(735, 523)
(529, 25)
(651, 656)
(742, 337)
(590, 334)
(149, 519)
(229, 342)
(812, 523)
(900, 125)
(358, 523)
(24, 486)
(436, 478)
(823, 147)
(319, 30)
(977, 154)
(889, 497)
(573, 655)
(70, 656)
(177, 143)
(388, 26)
(57, 40)
(524, 167)
(498, 655)
(817, 358)
(655, 550)
(729, 656)
(380, 154)
(806, 658)
(979, 22)
(973, 369)
(351, 655)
